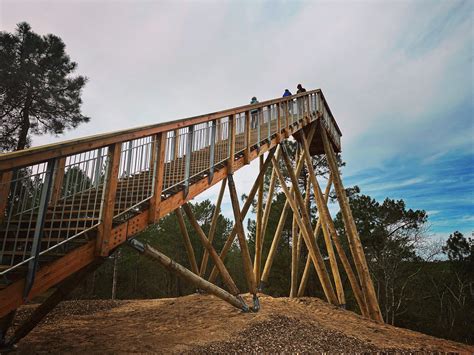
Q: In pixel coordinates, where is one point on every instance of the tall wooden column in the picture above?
(352, 234)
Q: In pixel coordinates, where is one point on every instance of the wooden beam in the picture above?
(189, 276)
(244, 249)
(105, 227)
(322, 207)
(47, 276)
(281, 222)
(230, 161)
(352, 235)
(245, 208)
(305, 276)
(259, 231)
(61, 292)
(305, 225)
(187, 241)
(212, 230)
(247, 138)
(212, 252)
(294, 256)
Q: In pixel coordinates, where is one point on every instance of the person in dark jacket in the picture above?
(254, 113)
(300, 101)
(300, 89)
(287, 93)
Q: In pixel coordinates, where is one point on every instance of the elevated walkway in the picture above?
(66, 204)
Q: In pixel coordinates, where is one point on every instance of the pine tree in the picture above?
(38, 95)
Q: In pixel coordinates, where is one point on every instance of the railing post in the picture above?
(58, 177)
(5, 182)
(278, 108)
(108, 199)
(269, 110)
(247, 138)
(212, 151)
(98, 168)
(129, 158)
(175, 146)
(189, 151)
(287, 114)
(230, 161)
(38, 234)
(158, 163)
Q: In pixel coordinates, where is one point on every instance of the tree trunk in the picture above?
(25, 124)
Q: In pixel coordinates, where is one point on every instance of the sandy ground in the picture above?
(205, 324)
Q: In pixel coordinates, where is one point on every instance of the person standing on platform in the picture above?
(254, 114)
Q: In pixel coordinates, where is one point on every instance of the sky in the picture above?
(398, 76)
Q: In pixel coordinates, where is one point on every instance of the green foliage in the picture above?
(38, 95)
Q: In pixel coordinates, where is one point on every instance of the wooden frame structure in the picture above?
(91, 195)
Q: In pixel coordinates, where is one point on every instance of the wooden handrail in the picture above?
(9, 161)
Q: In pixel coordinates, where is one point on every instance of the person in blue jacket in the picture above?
(287, 93)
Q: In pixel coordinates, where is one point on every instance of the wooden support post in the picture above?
(187, 275)
(281, 223)
(212, 229)
(268, 205)
(244, 249)
(205, 242)
(259, 232)
(294, 256)
(248, 144)
(245, 208)
(230, 161)
(5, 182)
(305, 276)
(187, 241)
(61, 292)
(324, 222)
(352, 235)
(158, 163)
(108, 206)
(305, 225)
(58, 176)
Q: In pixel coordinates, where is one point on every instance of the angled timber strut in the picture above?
(65, 207)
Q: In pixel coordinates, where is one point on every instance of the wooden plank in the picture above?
(109, 200)
(230, 161)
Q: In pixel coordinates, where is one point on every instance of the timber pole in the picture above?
(259, 230)
(187, 241)
(294, 257)
(328, 227)
(244, 249)
(187, 275)
(245, 209)
(303, 224)
(61, 292)
(205, 242)
(212, 229)
(307, 267)
(352, 235)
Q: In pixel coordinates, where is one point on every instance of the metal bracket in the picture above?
(138, 246)
(256, 304)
